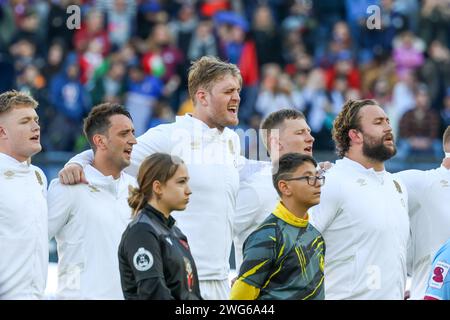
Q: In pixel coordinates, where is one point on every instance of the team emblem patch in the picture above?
(397, 186)
(39, 178)
(189, 274)
(142, 260)
(444, 183)
(230, 146)
(93, 189)
(361, 182)
(439, 273)
(9, 175)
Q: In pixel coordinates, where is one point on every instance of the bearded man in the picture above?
(363, 213)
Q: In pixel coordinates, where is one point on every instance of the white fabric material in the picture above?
(363, 217)
(215, 289)
(87, 222)
(213, 161)
(429, 212)
(23, 230)
(256, 199)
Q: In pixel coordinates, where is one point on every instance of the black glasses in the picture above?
(312, 180)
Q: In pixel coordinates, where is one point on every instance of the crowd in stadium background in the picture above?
(306, 54)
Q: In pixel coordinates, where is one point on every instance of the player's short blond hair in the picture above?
(446, 138)
(204, 73)
(13, 98)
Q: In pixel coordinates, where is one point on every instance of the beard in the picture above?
(375, 149)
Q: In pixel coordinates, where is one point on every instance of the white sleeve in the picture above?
(156, 139)
(59, 207)
(84, 158)
(323, 214)
(247, 207)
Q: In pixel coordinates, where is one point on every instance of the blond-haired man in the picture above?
(23, 205)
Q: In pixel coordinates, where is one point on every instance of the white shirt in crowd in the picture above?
(87, 222)
(363, 217)
(429, 211)
(213, 161)
(23, 230)
(257, 198)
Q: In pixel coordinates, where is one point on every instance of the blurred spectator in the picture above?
(7, 27)
(209, 8)
(435, 21)
(92, 31)
(143, 92)
(436, 72)
(419, 128)
(203, 42)
(379, 41)
(28, 29)
(343, 67)
(266, 36)
(56, 24)
(165, 61)
(328, 13)
(403, 95)
(316, 107)
(162, 113)
(340, 44)
(120, 15)
(24, 53)
(408, 53)
(110, 87)
(184, 27)
(71, 101)
(55, 58)
(277, 91)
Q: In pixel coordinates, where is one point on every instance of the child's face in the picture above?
(302, 190)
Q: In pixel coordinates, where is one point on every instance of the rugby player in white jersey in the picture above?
(363, 214)
(282, 132)
(88, 220)
(23, 205)
(429, 212)
(211, 152)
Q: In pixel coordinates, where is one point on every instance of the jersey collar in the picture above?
(151, 211)
(284, 214)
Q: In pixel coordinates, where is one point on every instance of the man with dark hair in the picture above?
(88, 220)
(283, 257)
(282, 131)
(363, 214)
(211, 152)
(23, 207)
(429, 214)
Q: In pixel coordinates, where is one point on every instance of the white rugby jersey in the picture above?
(23, 230)
(213, 161)
(429, 212)
(257, 198)
(363, 217)
(87, 222)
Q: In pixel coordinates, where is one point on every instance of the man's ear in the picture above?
(99, 141)
(200, 96)
(355, 136)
